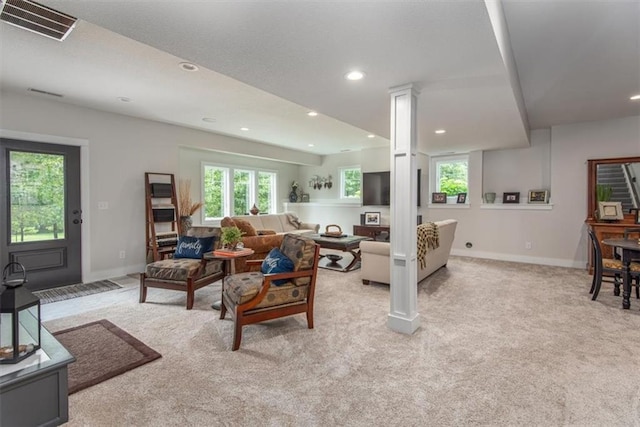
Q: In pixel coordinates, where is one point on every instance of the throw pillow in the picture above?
(277, 262)
(193, 247)
(227, 222)
(293, 220)
(246, 227)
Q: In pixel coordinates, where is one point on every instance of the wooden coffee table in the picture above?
(350, 244)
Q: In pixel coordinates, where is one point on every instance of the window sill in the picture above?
(448, 206)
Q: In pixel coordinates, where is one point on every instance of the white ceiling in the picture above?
(265, 64)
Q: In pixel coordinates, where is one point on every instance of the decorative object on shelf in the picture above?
(254, 210)
(603, 192)
(230, 237)
(538, 196)
(186, 207)
(489, 197)
(610, 211)
(511, 197)
(372, 218)
(317, 182)
(333, 230)
(293, 195)
(185, 224)
(334, 258)
(20, 316)
(304, 197)
(462, 198)
(438, 197)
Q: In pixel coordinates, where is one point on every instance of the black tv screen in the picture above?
(376, 188)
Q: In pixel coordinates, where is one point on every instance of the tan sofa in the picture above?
(376, 264)
(265, 232)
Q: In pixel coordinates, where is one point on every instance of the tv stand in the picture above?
(373, 231)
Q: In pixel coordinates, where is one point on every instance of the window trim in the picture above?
(434, 182)
(342, 182)
(229, 170)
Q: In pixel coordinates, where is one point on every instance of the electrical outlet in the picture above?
(103, 205)
(527, 245)
(123, 255)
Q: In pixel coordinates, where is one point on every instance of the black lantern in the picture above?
(19, 317)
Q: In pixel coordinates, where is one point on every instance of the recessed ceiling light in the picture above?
(124, 99)
(209, 119)
(354, 75)
(312, 113)
(188, 66)
(635, 97)
(440, 131)
(371, 135)
(311, 145)
(244, 129)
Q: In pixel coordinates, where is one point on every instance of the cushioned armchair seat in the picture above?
(183, 274)
(252, 297)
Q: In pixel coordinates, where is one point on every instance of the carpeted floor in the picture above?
(102, 351)
(73, 291)
(500, 344)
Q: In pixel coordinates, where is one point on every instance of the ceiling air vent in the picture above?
(37, 18)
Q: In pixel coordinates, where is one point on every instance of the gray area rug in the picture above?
(73, 291)
(500, 344)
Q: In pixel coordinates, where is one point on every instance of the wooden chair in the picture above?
(184, 274)
(608, 266)
(252, 297)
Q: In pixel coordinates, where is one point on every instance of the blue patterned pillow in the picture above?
(277, 262)
(193, 247)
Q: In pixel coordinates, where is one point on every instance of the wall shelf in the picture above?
(518, 206)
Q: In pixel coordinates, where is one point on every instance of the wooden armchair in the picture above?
(253, 297)
(184, 274)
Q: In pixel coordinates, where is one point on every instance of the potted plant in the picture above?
(230, 237)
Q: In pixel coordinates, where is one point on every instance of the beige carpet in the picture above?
(500, 344)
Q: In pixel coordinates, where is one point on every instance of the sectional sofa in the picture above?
(376, 263)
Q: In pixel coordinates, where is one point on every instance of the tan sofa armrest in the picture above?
(375, 247)
(309, 226)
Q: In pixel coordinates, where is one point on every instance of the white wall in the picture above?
(120, 149)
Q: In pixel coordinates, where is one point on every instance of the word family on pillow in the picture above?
(277, 262)
(193, 247)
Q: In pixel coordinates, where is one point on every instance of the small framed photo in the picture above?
(305, 198)
(538, 196)
(462, 198)
(438, 197)
(372, 218)
(513, 197)
(610, 211)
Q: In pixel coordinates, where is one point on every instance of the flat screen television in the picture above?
(376, 188)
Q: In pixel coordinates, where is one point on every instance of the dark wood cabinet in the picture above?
(373, 231)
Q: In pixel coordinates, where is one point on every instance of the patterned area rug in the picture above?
(74, 291)
(102, 351)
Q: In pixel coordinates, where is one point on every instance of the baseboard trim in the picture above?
(555, 262)
(402, 324)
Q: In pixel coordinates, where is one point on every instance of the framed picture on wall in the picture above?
(538, 196)
(610, 211)
(372, 218)
(512, 197)
(438, 197)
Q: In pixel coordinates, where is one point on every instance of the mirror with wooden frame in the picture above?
(621, 175)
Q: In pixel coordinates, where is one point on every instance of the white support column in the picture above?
(403, 316)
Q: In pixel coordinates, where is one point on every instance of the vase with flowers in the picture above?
(293, 195)
(186, 206)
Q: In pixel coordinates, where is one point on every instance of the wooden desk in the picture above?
(630, 250)
(372, 231)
